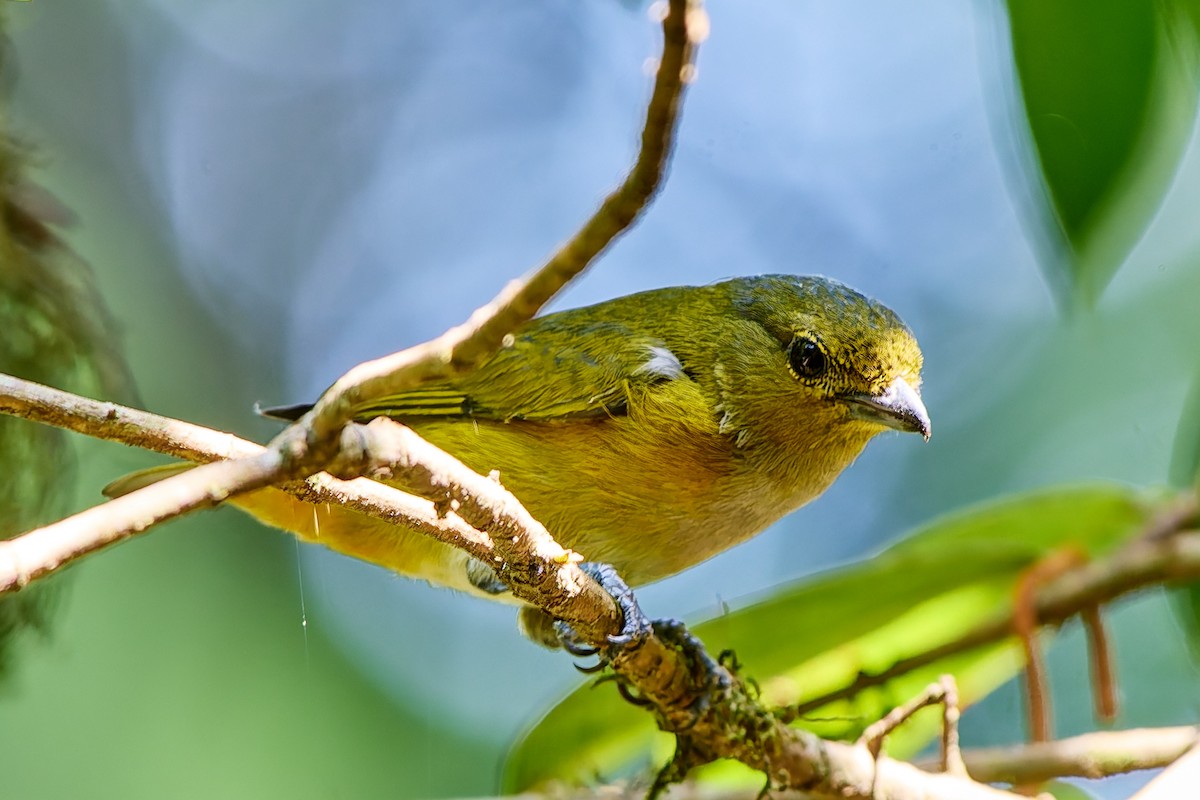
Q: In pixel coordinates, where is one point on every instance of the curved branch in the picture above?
(463, 347)
(144, 430)
(40, 552)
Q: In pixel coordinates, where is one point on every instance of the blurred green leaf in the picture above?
(1185, 454)
(1184, 472)
(818, 636)
(1109, 88)
(56, 330)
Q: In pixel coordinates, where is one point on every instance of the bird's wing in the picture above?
(556, 368)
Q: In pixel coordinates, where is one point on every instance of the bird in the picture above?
(648, 432)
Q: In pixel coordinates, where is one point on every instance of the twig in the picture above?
(952, 760)
(523, 547)
(117, 423)
(1182, 514)
(1025, 626)
(463, 347)
(196, 443)
(44, 550)
(945, 692)
(1104, 682)
(1147, 562)
(1092, 755)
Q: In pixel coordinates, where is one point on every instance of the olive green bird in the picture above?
(653, 431)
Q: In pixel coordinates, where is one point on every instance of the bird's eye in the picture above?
(806, 358)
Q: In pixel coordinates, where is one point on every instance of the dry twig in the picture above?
(463, 347)
(24, 556)
(1092, 755)
(944, 692)
(1025, 626)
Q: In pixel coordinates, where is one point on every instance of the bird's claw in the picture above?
(569, 640)
(635, 625)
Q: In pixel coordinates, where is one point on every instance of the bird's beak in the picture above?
(898, 407)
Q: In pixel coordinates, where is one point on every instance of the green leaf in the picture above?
(819, 635)
(54, 329)
(1185, 472)
(1109, 89)
(1185, 454)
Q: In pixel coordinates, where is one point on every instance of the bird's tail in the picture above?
(143, 477)
(288, 413)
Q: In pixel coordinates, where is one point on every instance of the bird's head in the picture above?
(814, 370)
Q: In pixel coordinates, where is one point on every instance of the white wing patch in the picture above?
(662, 363)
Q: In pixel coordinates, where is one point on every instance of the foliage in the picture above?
(1109, 89)
(56, 331)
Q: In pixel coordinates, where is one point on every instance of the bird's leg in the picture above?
(539, 627)
(484, 578)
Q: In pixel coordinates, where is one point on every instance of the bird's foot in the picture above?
(552, 633)
(635, 625)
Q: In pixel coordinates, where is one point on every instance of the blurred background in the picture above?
(272, 192)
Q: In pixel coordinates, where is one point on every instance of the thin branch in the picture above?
(44, 550)
(1104, 682)
(185, 440)
(1025, 626)
(1147, 562)
(945, 693)
(117, 423)
(1092, 755)
(387, 450)
(463, 347)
